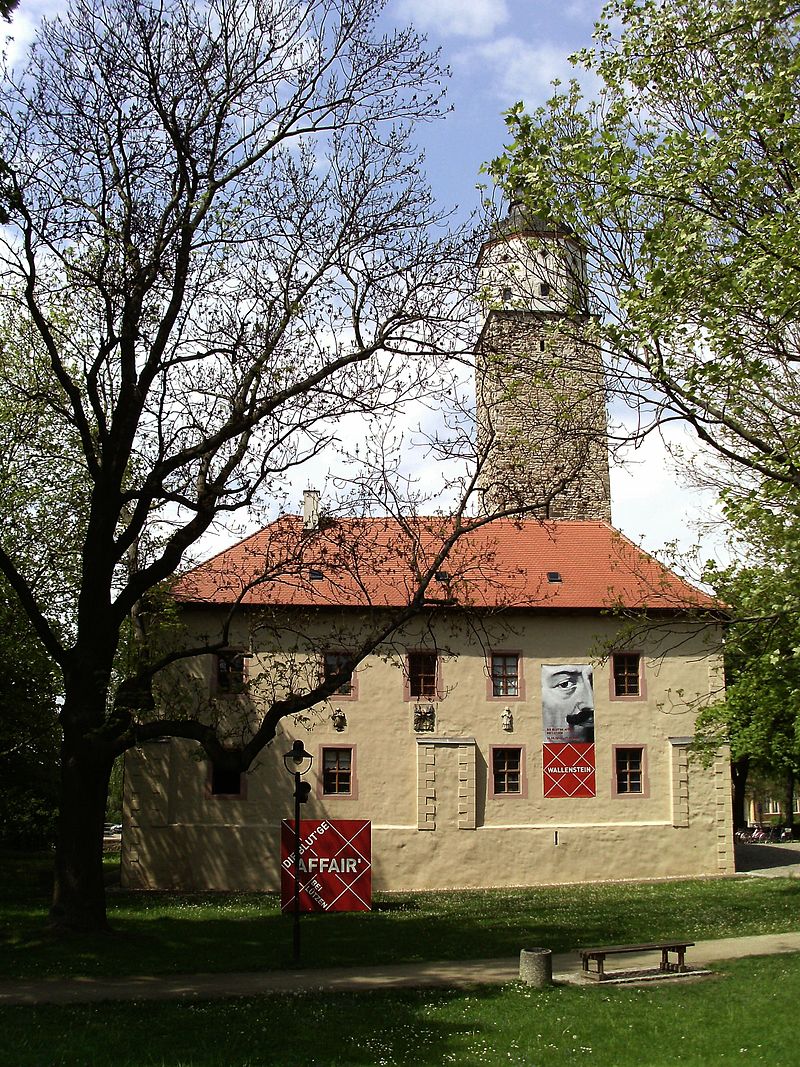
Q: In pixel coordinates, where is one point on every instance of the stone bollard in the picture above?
(536, 967)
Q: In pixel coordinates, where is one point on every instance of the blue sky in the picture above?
(501, 51)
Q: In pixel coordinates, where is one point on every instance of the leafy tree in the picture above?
(220, 245)
(681, 178)
(760, 715)
(29, 732)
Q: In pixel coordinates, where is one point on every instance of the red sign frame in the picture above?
(568, 769)
(335, 865)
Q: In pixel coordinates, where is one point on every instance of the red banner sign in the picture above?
(569, 769)
(335, 865)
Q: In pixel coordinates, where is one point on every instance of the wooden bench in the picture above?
(664, 947)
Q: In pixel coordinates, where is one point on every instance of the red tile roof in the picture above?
(355, 562)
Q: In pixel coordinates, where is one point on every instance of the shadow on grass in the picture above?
(168, 933)
(356, 1030)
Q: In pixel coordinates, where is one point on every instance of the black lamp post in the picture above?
(298, 762)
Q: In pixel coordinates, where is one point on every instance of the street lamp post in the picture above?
(298, 762)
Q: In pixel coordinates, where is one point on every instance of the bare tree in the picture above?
(220, 244)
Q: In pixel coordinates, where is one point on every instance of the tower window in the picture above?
(542, 344)
(505, 294)
(544, 289)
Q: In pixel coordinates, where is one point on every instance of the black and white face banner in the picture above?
(567, 702)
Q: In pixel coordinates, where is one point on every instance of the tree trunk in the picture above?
(79, 902)
(739, 770)
(789, 801)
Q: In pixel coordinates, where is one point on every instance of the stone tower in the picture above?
(541, 407)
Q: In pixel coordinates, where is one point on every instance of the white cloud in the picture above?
(652, 503)
(517, 70)
(455, 18)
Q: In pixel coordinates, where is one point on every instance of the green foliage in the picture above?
(29, 733)
(760, 716)
(681, 178)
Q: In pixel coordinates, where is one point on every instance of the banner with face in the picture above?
(567, 702)
(568, 760)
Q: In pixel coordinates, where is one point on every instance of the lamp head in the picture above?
(298, 761)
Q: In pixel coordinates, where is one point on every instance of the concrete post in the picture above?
(536, 967)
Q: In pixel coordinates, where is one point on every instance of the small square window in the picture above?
(507, 770)
(337, 771)
(626, 670)
(231, 671)
(505, 674)
(544, 289)
(422, 675)
(629, 770)
(225, 783)
(332, 664)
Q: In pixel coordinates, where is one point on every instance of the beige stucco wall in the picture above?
(435, 823)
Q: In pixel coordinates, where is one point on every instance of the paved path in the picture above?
(395, 976)
(768, 861)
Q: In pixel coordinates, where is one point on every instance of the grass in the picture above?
(746, 1015)
(172, 934)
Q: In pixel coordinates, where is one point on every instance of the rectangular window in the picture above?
(626, 674)
(231, 670)
(332, 663)
(225, 783)
(505, 674)
(508, 771)
(629, 770)
(422, 675)
(337, 771)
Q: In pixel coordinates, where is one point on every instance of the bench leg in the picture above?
(587, 970)
(668, 967)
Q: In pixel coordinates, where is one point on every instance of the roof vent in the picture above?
(554, 576)
(442, 576)
(315, 574)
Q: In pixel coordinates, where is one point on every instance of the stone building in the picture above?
(515, 730)
(516, 734)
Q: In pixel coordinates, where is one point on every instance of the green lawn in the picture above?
(746, 1015)
(169, 933)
